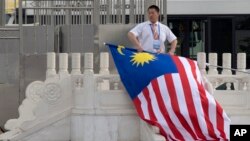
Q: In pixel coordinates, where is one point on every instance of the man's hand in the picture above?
(135, 41)
(173, 47)
(160, 51)
(171, 51)
(139, 49)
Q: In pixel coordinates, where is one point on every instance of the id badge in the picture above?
(156, 44)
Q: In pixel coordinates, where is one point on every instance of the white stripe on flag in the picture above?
(144, 106)
(165, 96)
(213, 113)
(226, 124)
(198, 73)
(196, 98)
(181, 99)
(160, 118)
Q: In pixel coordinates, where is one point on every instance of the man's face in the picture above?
(153, 15)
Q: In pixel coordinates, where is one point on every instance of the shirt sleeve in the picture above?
(137, 30)
(170, 35)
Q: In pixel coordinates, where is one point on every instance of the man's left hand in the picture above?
(171, 53)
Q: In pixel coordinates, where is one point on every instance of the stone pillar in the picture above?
(213, 62)
(2, 12)
(104, 70)
(63, 64)
(241, 62)
(76, 63)
(201, 59)
(51, 64)
(86, 100)
(226, 59)
(241, 66)
(88, 63)
(104, 63)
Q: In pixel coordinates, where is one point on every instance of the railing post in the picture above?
(213, 62)
(226, 58)
(63, 64)
(76, 63)
(89, 87)
(51, 64)
(241, 62)
(104, 70)
(88, 63)
(104, 63)
(201, 59)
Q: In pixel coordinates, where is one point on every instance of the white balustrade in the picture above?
(83, 103)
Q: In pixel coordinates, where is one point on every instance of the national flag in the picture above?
(168, 92)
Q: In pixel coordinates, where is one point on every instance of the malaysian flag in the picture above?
(168, 92)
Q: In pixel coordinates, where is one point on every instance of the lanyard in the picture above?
(158, 30)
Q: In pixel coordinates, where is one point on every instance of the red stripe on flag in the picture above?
(153, 119)
(188, 97)
(220, 120)
(137, 104)
(175, 105)
(164, 110)
(204, 101)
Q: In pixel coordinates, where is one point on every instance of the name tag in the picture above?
(156, 44)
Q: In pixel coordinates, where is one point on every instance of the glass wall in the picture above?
(212, 33)
(242, 36)
(190, 34)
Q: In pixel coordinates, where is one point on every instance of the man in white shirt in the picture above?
(151, 35)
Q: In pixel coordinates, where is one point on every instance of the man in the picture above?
(151, 35)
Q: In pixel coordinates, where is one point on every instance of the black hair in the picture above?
(154, 7)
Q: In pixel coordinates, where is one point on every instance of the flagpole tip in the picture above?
(104, 43)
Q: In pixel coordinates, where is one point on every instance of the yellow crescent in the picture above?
(119, 49)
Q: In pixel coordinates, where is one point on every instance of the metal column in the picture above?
(2, 12)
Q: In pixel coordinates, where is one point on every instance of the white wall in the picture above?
(180, 7)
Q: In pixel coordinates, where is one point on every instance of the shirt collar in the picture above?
(154, 23)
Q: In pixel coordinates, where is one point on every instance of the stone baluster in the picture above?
(86, 99)
(226, 58)
(63, 64)
(104, 70)
(201, 59)
(213, 62)
(248, 86)
(104, 63)
(228, 86)
(244, 86)
(241, 62)
(88, 63)
(51, 64)
(76, 63)
(241, 66)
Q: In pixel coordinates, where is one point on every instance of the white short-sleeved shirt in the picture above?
(144, 33)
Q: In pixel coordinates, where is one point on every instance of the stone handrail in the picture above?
(70, 93)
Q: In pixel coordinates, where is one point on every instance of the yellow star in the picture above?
(141, 58)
